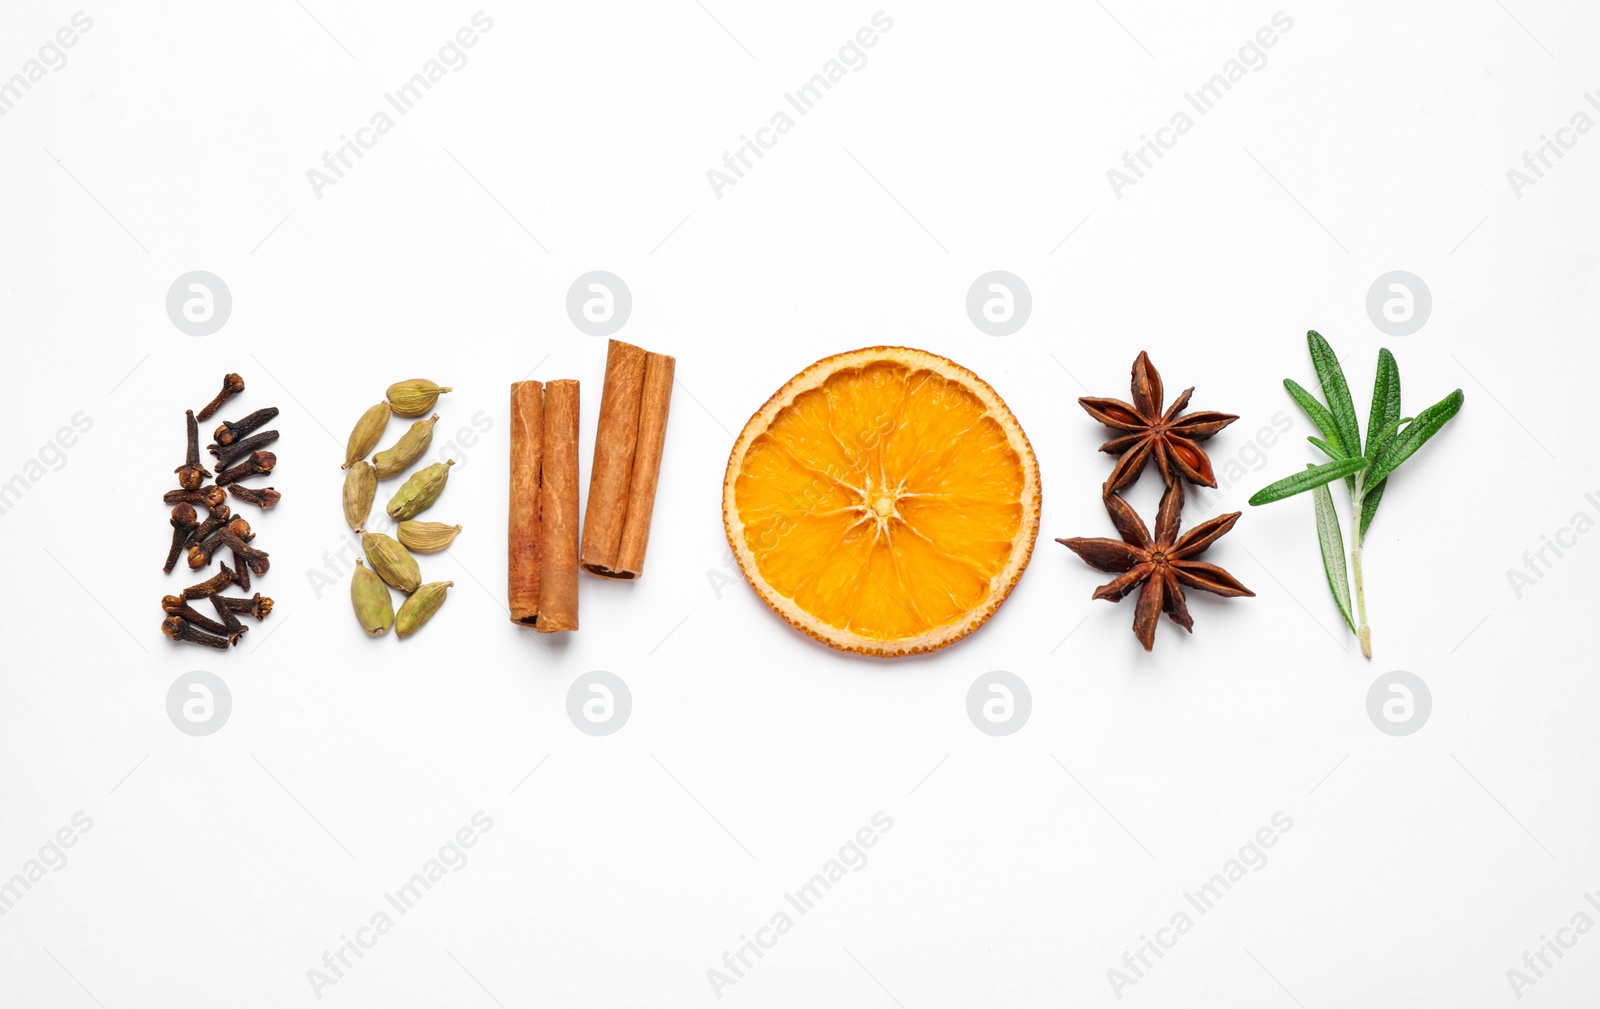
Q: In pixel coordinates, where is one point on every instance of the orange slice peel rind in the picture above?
(885, 501)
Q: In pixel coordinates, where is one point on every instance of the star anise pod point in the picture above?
(1158, 566)
(1148, 432)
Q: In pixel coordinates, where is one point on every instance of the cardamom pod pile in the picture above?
(392, 565)
(240, 455)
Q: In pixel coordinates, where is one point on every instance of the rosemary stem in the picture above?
(1356, 502)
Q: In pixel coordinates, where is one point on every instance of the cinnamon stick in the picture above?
(522, 534)
(558, 510)
(627, 460)
(614, 444)
(658, 371)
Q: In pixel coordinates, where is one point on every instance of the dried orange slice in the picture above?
(884, 501)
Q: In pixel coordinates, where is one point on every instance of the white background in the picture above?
(220, 869)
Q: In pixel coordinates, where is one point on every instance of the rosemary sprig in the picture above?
(1391, 440)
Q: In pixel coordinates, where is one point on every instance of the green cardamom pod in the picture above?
(414, 397)
(425, 537)
(366, 434)
(419, 491)
(393, 562)
(393, 461)
(370, 597)
(419, 607)
(360, 487)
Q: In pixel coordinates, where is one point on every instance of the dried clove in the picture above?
(225, 536)
(228, 433)
(184, 521)
(232, 385)
(255, 560)
(177, 606)
(234, 629)
(228, 456)
(219, 517)
(208, 496)
(179, 629)
(211, 586)
(238, 454)
(258, 605)
(264, 498)
(258, 462)
(235, 532)
(191, 474)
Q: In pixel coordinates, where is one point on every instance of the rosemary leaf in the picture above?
(1414, 436)
(1382, 422)
(1303, 481)
(1332, 543)
(1328, 450)
(1318, 413)
(1336, 391)
(1385, 415)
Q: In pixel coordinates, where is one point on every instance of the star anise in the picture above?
(1173, 440)
(1163, 564)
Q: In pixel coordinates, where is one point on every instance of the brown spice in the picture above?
(239, 455)
(211, 586)
(179, 629)
(219, 517)
(232, 385)
(263, 498)
(184, 521)
(256, 462)
(522, 529)
(232, 627)
(229, 432)
(191, 474)
(542, 529)
(258, 605)
(208, 496)
(177, 606)
(627, 460)
(1163, 564)
(1171, 440)
(228, 455)
(558, 510)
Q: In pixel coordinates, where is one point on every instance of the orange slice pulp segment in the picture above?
(884, 501)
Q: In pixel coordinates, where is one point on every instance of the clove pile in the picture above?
(239, 451)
